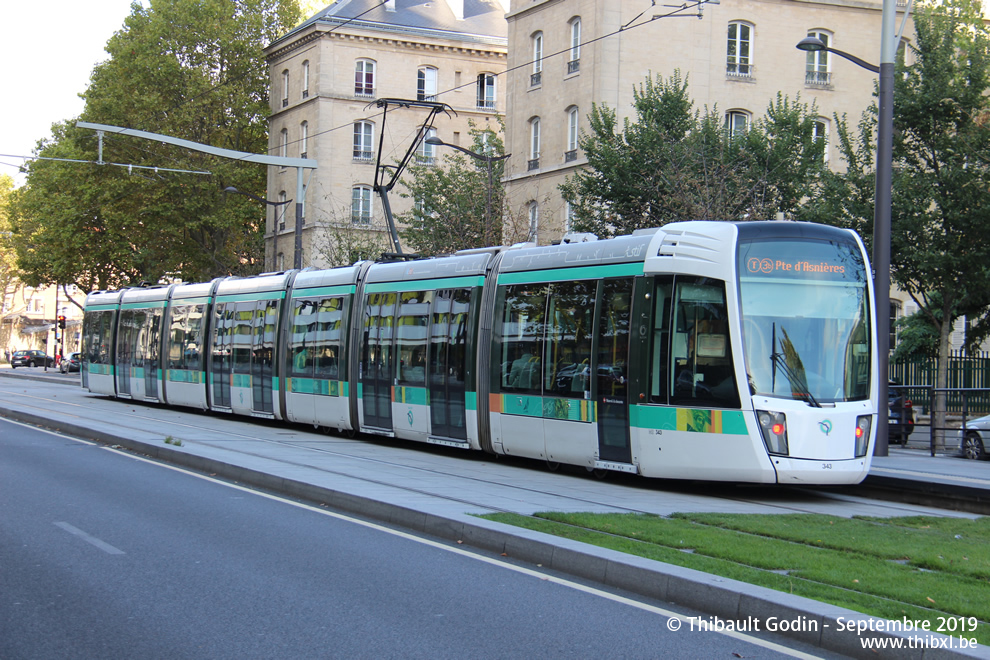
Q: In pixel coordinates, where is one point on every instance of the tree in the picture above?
(186, 68)
(8, 273)
(451, 210)
(671, 163)
(940, 246)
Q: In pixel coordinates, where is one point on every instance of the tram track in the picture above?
(772, 498)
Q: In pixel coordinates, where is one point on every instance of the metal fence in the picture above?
(966, 372)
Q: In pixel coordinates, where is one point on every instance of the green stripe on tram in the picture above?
(417, 396)
(340, 290)
(426, 285)
(549, 407)
(696, 420)
(316, 386)
(186, 376)
(146, 304)
(572, 274)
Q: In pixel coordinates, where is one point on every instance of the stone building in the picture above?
(327, 77)
(565, 55)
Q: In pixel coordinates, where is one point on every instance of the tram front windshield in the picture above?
(806, 319)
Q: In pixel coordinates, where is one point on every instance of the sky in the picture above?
(50, 49)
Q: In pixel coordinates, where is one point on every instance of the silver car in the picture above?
(973, 441)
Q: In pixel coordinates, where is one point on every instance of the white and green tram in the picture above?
(722, 351)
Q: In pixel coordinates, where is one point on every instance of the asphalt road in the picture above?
(103, 555)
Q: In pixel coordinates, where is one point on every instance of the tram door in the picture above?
(613, 371)
(126, 340)
(448, 363)
(376, 360)
(221, 358)
(263, 354)
(152, 350)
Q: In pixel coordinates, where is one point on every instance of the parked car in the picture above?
(973, 441)
(901, 418)
(70, 363)
(31, 359)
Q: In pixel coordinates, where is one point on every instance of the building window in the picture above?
(364, 78)
(280, 262)
(280, 210)
(361, 205)
(426, 153)
(821, 133)
(285, 88)
(537, 76)
(304, 140)
(534, 144)
(426, 84)
(363, 140)
(534, 221)
(739, 54)
(283, 143)
(486, 91)
(572, 135)
(305, 80)
(736, 122)
(817, 73)
(574, 62)
(568, 217)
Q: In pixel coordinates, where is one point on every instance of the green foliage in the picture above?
(922, 568)
(940, 248)
(671, 163)
(917, 337)
(452, 210)
(184, 68)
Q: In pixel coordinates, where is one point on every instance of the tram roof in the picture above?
(621, 249)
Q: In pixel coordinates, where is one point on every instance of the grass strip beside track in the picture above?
(921, 568)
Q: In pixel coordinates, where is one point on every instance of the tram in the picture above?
(721, 351)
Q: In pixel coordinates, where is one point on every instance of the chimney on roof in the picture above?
(457, 6)
(390, 5)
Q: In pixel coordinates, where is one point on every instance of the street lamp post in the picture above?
(489, 159)
(882, 201)
(232, 189)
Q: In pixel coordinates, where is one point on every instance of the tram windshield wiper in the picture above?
(796, 377)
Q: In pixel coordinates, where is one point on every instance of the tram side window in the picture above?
(241, 331)
(660, 345)
(178, 318)
(701, 354)
(192, 350)
(522, 329)
(411, 339)
(97, 335)
(569, 327)
(303, 338)
(330, 334)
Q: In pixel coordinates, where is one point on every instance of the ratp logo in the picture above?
(756, 265)
(825, 426)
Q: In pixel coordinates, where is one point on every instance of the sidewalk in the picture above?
(435, 492)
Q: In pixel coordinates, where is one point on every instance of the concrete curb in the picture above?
(822, 625)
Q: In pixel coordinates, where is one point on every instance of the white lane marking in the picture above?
(102, 545)
(488, 560)
(55, 433)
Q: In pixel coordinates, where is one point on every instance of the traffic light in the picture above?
(61, 322)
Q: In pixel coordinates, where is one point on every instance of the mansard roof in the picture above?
(483, 20)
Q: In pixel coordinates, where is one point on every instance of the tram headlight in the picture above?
(773, 428)
(863, 425)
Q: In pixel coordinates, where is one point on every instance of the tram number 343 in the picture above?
(826, 466)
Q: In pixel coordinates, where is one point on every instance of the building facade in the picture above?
(736, 55)
(328, 76)
(29, 318)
